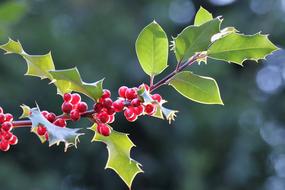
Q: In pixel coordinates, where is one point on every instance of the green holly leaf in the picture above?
(69, 80)
(195, 39)
(202, 16)
(237, 48)
(70, 137)
(119, 147)
(152, 49)
(197, 88)
(38, 65)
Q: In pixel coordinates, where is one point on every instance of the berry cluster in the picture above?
(129, 101)
(104, 109)
(104, 113)
(134, 105)
(7, 138)
(72, 107)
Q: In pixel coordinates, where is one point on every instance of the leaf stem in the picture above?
(178, 69)
(151, 81)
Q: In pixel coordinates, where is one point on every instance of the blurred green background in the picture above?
(239, 146)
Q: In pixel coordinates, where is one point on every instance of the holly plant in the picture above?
(195, 44)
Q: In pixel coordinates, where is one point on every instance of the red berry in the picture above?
(129, 112)
(146, 87)
(104, 129)
(150, 109)
(45, 113)
(136, 102)
(51, 117)
(98, 107)
(67, 97)
(111, 118)
(2, 118)
(131, 93)
(41, 130)
(66, 107)
(74, 115)
(122, 91)
(106, 94)
(156, 97)
(118, 105)
(60, 122)
(8, 135)
(111, 110)
(133, 118)
(139, 110)
(14, 140)
(46, 136)
(76, 98)
(103, 117)
(82, 107)
(107, 102)
(7, 126)
(9, 117)
(1, 110)
(4, 145)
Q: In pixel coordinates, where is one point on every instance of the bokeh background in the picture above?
(239, 146)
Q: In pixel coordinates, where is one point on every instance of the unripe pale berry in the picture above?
(74, 115)
(66, 107)
(1, 110)
(122, 91)
(106, 94)
(41, 130)
(76, 98)
(118, 105)
(14, 140)
(67, 97)
(82, 107)
(129, 112)
(60, 122)
(150, 109)
(7, 126)
(156, 97)
(131, 93)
